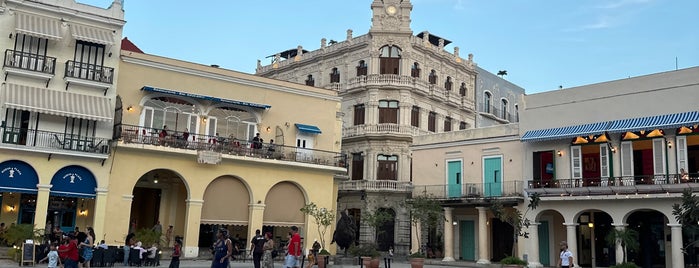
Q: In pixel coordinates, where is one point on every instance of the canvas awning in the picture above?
(92, 34)
(57, 102)
(37, 26)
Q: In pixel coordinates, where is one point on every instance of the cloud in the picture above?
(601, 23)
(622, 3)
(459, 5)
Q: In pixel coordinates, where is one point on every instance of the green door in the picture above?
(544, 256)
(454, 178)
(492, 176)
(468, 241)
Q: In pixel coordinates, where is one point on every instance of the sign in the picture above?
(208, 157)
(27, 253)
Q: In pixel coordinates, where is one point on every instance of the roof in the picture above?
(434, 39)
(127, 45)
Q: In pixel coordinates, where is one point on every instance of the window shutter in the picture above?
(148, 117)
(659, 156)
(626, 158)
(681, 153)
(193, 123)
(211, 126)
(604, 160)
(576, 161)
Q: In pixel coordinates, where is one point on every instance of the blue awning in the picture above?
(667, 121)
(74, 181)
(565, 132)
(19, 177)
(308, 128)
(204, 97)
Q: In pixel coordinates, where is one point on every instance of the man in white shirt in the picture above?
(566, 258)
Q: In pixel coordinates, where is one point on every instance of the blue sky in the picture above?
(542, 44)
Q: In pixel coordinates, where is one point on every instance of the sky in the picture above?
(542, 44)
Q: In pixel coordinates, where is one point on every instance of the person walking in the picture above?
(566, 257)
(258, 243)
(176, 252)
(223, 249)
(52, 258)
(293, 254)
(268, 247)
(87, 247)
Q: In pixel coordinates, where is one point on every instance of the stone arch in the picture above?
(283, 203)
(226, 201)
(159, 194)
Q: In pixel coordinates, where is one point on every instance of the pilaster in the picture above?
(192, 222)
(483, 245)
(448, 234)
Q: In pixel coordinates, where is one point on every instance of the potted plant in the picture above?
(417, 260)
(513, 261)
(322, 257)
(425, 211)
(322, 217)
(368, 253)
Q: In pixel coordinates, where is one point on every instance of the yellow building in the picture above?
(187, 155)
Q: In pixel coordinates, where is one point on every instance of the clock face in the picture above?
(391, 10)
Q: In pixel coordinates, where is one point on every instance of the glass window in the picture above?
(447, 124)
(359, 114)
(387, 167)
(388, 112)
(415, 71)
(415, 116)
(361, 68)
(486, 102)
(433, 77)
(335, 76)
(389, 57)
(432, 122)
(310, 81)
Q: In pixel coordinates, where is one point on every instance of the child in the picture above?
(52, 257)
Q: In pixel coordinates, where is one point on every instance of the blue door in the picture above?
(468, 241)
(544, 257)
(492, 176)
(454, 178)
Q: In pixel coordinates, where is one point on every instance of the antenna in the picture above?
(675, 63)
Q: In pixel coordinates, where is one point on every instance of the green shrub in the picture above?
(17, 234)
(417, 255)
(625, 265)
(364, 250)
(513, 260)
(148, 237)
(324, 252)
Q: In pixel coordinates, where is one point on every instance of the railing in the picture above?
(359, 40)
(624, 184)
(54, 140)
(498, 113)
(131, 134)
(29, 61)
(376, 185)
(386, 128)
(88, 71)
(471, 190)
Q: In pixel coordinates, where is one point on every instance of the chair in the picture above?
(97, 258)
(135, 257)
(110, 256)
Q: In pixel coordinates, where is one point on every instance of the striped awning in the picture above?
(37, 26)
(92, 34)
(654, 122)
(565, 132)
(57, 102)
(308, 128)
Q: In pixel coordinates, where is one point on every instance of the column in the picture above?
(619, 251)
(483, 245)
(414, 239)
(572, 241)
(448, 235)
(371, 164)
(256, 217)
(404, 112)
(124, 222)
(676, 236)
(192, 222)
(533, 249)
(42, 205)
(99, 212)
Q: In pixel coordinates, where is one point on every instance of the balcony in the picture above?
(498, 114)
(646, 184)
(228, 146)
(29, 64)
(54, 142)
(471, 190)
(90, 75)
(382, 129)
(376, 186)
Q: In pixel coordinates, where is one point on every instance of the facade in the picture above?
(58, 96)
(188, 155)
(611, 156)
(394, 85)
(497, 100)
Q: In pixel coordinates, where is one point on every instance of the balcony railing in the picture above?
(386, 128)
(471, 190)
(376, 186)
(29, 61)
(498, 113)
(54, 140)
(671, 183)
(228, 146)
(90, 72)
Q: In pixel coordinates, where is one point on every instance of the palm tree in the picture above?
(628, 238)
(502, 73)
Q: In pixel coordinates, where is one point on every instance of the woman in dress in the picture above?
(223, 248)
(268, 247)
(87, 247)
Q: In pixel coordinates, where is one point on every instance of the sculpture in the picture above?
(344, 232)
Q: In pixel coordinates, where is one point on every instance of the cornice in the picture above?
(64, 11)
(465, 142)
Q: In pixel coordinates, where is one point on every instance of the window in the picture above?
(447, 124)
(357, 166)
(30, 54)
(486, 102)
(388, 112)
(503, 104)
(415, 71)
(387, 167)
(433, 77)
(463, 125)
(389, 57)
(361, 68)
(516, 113)
(462, 89)
(576, 162)
(310, 81)
(335, 76)
(448, 83)
(359, 114)
(415, 116)
(88, 62)
(432, 121)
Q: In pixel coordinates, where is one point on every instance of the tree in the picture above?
(424, 211)
(322, 217)
(628, 238)
(376, 218)
(687, 214)
(502, 73)
(515, 218)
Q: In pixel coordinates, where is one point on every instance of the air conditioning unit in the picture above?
(472, 190)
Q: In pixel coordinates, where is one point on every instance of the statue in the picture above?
(344, 232)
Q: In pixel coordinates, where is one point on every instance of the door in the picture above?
(454, 178)
(468, 241)
(304, 144)
(492, 176)
(544, 250)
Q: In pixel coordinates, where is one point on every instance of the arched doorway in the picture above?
(71, 199)
(593, 249)
(159, 196)
(226, 204)
(651, 227)
(386, 232)
(550, 224)
(18, 190)
(283, 205)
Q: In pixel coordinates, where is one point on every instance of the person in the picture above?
(315, 249)
(127, 247)
(86, 246)
(71, 252)
(152, 253)
(163, 135)
(48, 230)
(294, 249)
(271, 149)
(566, 257)
(257, 142)
(684, 177)
(157, 228)
(139, 248)
(52, 257)
(223, 249)
(102, 245)
(311, 259)
(268, 247)
(176, 252)
(258, 242)
(168, 235)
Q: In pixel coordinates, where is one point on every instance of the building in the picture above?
(58, 96)
(188, 153)
(610, 156)
(497, 100)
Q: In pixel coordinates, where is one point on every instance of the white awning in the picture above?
(92, 34)
(38, 26)
(57, 102)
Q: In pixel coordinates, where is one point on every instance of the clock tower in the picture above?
(391, 16)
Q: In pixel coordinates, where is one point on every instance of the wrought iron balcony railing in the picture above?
(471, 190)
(54, 140)
(90, 72)
(376, 186)
(29, 61)
(670, 183)
(386, 128)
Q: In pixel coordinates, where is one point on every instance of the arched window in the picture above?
(415, 71)
(335, 76)
(448, 83)
(310, 81)
(176, 114)
(486, 102)
(389, 57)
(361, 68)
(463, 90)
(516, 113)
(503, 108)
(433, 77)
